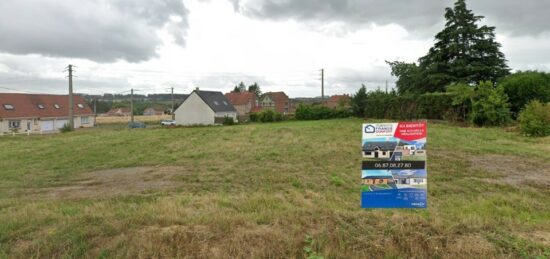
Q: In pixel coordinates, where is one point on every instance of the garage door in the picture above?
(60, 123)
(46, 125)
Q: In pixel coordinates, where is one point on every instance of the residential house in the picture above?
(123, 111)
(153, 111)
(410, 177)
(204, 108)
(36, 113)
(277, 101)
(379, 149)
(243, 102)
(371, 177)
(338, 101)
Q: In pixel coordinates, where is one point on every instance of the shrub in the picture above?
(266, 116)
(254, 117)
(318, 112)
(490, 106)
(66, 128)
(228, 120)
(534, 120)
(522, 87)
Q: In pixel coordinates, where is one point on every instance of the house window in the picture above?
(380, 181)
(384, 153)
(56, 106)
(40, 106)
(84, 120)
(225, 103)
(81, 106)
(216, 103)
(14, 124)
(8, 106)
(368, 153)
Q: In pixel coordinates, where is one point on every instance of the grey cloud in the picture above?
(103, 31)
(419, 16)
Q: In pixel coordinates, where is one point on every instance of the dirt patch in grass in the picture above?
(114, 182)
(513, 170)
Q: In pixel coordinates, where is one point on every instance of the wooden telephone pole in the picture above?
(173, 115)
(322, 85)
(132, 105)
(71, 104)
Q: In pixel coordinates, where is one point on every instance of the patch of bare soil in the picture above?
(538, 237)
(114, 182)
(514, 170)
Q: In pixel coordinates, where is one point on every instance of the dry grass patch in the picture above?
(113, 182)
(513, 170)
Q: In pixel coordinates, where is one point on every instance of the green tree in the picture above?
(534, 119)
(240, 88)
(490, 105)
(359, 102)
(522, 87)
(409, 77)
(463, 52)
(255, 88)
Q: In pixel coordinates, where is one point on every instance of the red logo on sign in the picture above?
(411, 130)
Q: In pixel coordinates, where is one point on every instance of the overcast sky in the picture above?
(151, 45)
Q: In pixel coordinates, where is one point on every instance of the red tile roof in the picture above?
(241, 98)
(26, 105)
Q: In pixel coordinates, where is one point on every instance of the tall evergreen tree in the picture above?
(240, 88)
(255, 88)
(463, 52)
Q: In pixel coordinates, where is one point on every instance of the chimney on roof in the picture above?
(197, 88)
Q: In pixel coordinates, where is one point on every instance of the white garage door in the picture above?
(46, 125)
(60, 123)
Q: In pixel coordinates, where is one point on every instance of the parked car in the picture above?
(136, 125)
(168, 123)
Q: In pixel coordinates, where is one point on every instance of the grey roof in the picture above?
(216, 101)
(380, 145)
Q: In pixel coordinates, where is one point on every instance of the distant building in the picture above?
(277, 101)
(153, 111)
(205, 108)
(41, 112)
(243, 102)
(123, 111)
(338, 101)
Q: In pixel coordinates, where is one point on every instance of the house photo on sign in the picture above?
(393, 171)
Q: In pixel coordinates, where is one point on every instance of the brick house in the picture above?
(35, 113)
(277, 101)
(338, 101)
(243, 102)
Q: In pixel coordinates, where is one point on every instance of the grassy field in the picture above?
(281, 190)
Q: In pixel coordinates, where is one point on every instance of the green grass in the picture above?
(279, 190)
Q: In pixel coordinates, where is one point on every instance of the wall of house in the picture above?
(228, 114)
(194, 111)
(241, 109)
(35, 127)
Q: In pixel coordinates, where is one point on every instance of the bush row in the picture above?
(317, 112)
(266, 116)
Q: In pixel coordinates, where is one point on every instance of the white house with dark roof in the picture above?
(204, 108)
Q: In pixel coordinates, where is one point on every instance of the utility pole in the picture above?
(132, 105)
(173, 115)
(386, 86)
(322, 85)
(95, 111)
(71, 108)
